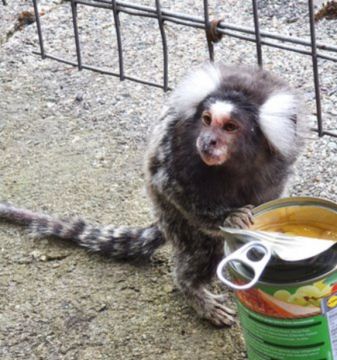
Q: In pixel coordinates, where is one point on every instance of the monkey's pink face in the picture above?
(218, 134)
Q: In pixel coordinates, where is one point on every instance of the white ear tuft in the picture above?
(193, 89)
(278, 116)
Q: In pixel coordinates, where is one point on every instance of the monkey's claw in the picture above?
(219, 314)
(212, 307)
(241, 218)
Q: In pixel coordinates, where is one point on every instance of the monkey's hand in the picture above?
(241, 218)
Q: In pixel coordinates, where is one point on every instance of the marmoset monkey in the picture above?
(225, 143)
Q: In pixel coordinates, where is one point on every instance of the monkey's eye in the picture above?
(230, 127)
(206, 119)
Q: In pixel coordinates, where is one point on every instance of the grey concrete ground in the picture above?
(73, 142)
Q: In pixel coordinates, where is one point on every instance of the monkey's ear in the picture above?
(195, 88)
(278, 121)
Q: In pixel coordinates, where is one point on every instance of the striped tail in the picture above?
(118, 242)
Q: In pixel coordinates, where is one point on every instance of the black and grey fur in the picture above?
(190, 199)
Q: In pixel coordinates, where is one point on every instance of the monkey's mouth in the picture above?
(214, 158)
(212, 154)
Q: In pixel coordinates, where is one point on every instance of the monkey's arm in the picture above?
(209, 223)
(209, 220)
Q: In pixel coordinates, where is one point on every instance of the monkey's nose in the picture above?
(208, 145)
(207, 142)
(210, 140)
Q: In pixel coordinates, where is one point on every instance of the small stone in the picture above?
(168, 288)
(101, 307)
(100, 155)
(75, 139)
(86, 106)
(79, 97)
(332, 145)
(36, 254)
(292, 20)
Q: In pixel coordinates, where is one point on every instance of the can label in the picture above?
(288, 301)
(290, 322)
(271, 338)
(329, 309)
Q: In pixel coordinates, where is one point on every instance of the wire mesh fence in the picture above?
(214, 30)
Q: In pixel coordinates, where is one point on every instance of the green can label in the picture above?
(271, 338)
(289, 322)
(329, 308)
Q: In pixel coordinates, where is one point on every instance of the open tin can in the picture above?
(291, 311)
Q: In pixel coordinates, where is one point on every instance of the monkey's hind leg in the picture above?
(192, 274)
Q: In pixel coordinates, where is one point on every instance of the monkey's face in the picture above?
(220, 132)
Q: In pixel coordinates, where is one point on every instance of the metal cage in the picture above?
(213, 29)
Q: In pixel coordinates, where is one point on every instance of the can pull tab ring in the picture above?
(241, 256)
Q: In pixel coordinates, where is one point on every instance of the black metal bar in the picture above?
(207, 25)
(143, 11)
(315, 67)
(145, 82)
(183, 22)
(299, 51)
(164, 41)
(101, 71)
(329, 133)
(39, 31)
(266, 34)
(119, 40)
(57, 58)
(137, 13)
(257, 34)
(278, 46)
(77, 39)
(105, 5)
(325, 132)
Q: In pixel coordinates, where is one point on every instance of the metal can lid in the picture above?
(299, 271)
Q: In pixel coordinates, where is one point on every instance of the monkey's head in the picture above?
(228, 125)
(238, 115)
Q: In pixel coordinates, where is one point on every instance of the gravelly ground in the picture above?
(72, 143)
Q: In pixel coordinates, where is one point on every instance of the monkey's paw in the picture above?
(209, 306)
(217, 312)
(241, 218)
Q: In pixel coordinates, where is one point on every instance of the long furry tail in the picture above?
(118, 242)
